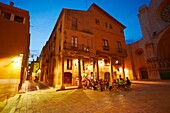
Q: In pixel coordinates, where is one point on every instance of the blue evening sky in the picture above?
(44, 14)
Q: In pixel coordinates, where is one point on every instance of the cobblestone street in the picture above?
(141, 98)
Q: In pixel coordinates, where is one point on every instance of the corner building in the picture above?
(14, 47)
(150, 56)
(83, 44)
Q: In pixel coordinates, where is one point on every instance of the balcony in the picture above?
(112, 52)
(121, 52)
(78, 47)
(106, 48)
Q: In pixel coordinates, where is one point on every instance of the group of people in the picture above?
(102, 85)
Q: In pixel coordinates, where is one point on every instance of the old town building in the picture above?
(150, 56)
(84, 44)
(14, 46)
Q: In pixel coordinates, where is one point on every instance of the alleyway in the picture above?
(142, 98)
(33, 86)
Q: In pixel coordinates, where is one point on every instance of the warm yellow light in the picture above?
(76, 62)
(17, 60)
(100, 62)
(21, 55)
(120, 69)
(39, 71)
(126, 72)
(116, 62)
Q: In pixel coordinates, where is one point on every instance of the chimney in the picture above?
(11, 4)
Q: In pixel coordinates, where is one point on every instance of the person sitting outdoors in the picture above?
(121, 81)
(127, 83)
(114, 84)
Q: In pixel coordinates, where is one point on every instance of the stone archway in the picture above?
(163, 54)
(164, 45)
(107, 76)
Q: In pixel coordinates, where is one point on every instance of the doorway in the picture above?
(67, 78)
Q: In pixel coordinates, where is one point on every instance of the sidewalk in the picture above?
(151, 82)
(9, 106)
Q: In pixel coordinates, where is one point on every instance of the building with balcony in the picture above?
(83, 44)
(14, 46)
(150, 56)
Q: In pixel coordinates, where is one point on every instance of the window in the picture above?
(106, 25)
(55, 36)
(74, 23)
(18, 19)
(7, 16)
(97, 21)
(60, 42)
(69, 64)
(119, 46)
(165, 13)
(106, 62)
(121, 30)
(105, 45)
(60, 28)
(74, 42)
(110, 26)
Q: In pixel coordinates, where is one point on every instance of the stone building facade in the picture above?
(150, 56)
(83, 44)
(14, 46)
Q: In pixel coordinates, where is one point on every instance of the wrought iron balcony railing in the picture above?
(121, 52)
(76, 47)
(106, 48)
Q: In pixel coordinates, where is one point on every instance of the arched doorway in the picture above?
(143, 73)
(67, 78)
(164, 55)
(107, 75)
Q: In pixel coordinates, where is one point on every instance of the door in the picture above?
(144, 74)
(67, 78)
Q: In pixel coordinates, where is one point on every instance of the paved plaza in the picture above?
(142, 98)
